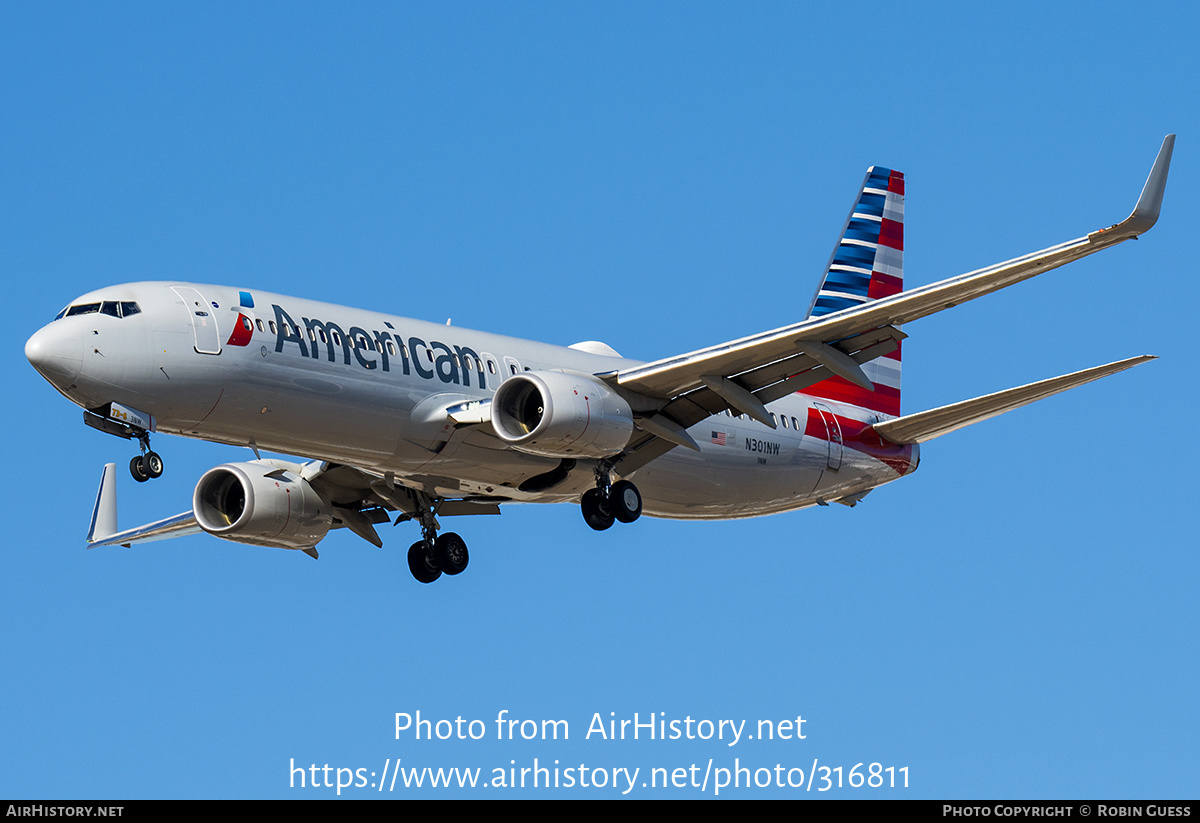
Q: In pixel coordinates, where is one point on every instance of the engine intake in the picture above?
(561, 414)
(263, 503)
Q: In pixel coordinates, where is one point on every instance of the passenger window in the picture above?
(260, 325)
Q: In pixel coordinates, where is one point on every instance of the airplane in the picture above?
(396, 417)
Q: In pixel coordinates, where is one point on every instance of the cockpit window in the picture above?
(109, 307)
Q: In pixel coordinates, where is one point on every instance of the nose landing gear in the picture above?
(130, 424)
(148, 464)
(144, 467)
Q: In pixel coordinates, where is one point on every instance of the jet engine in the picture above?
(264, 503)
(561, 414)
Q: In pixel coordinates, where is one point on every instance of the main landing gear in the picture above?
(434, 555)
(447, 554)
(606, 504)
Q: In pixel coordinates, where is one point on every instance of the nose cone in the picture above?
(56, 351)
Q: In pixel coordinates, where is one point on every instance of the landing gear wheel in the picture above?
(450, 553)
(625, 501)
(596, 511)
(153, 464)
(137, 467)
(421, 565)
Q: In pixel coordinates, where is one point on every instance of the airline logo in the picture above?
(378, 349)
(243, 329)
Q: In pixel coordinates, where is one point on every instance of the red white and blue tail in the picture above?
(867, 264)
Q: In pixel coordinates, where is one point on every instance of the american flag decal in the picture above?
(719, 438)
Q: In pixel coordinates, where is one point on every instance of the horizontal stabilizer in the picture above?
(926, 425)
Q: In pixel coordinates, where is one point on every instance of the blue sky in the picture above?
(1017, 619)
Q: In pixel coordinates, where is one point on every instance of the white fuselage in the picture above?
(368, 389)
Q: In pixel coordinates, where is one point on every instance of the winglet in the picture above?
(1145, 213)
(104, 513)
(103, 529)
(1149, 204)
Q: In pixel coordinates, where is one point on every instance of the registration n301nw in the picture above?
(404, 419)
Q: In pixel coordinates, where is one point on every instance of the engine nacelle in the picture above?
(264, 503)
(561, 414)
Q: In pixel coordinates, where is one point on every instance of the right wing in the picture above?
(747, 373)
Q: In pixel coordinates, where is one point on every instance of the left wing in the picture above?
(745, 374)
(103, 529)
(356, 499)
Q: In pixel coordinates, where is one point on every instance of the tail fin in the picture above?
(867, 264)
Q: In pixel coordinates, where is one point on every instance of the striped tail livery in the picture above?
(867, 264)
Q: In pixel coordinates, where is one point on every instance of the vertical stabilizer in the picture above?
(867, 264)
